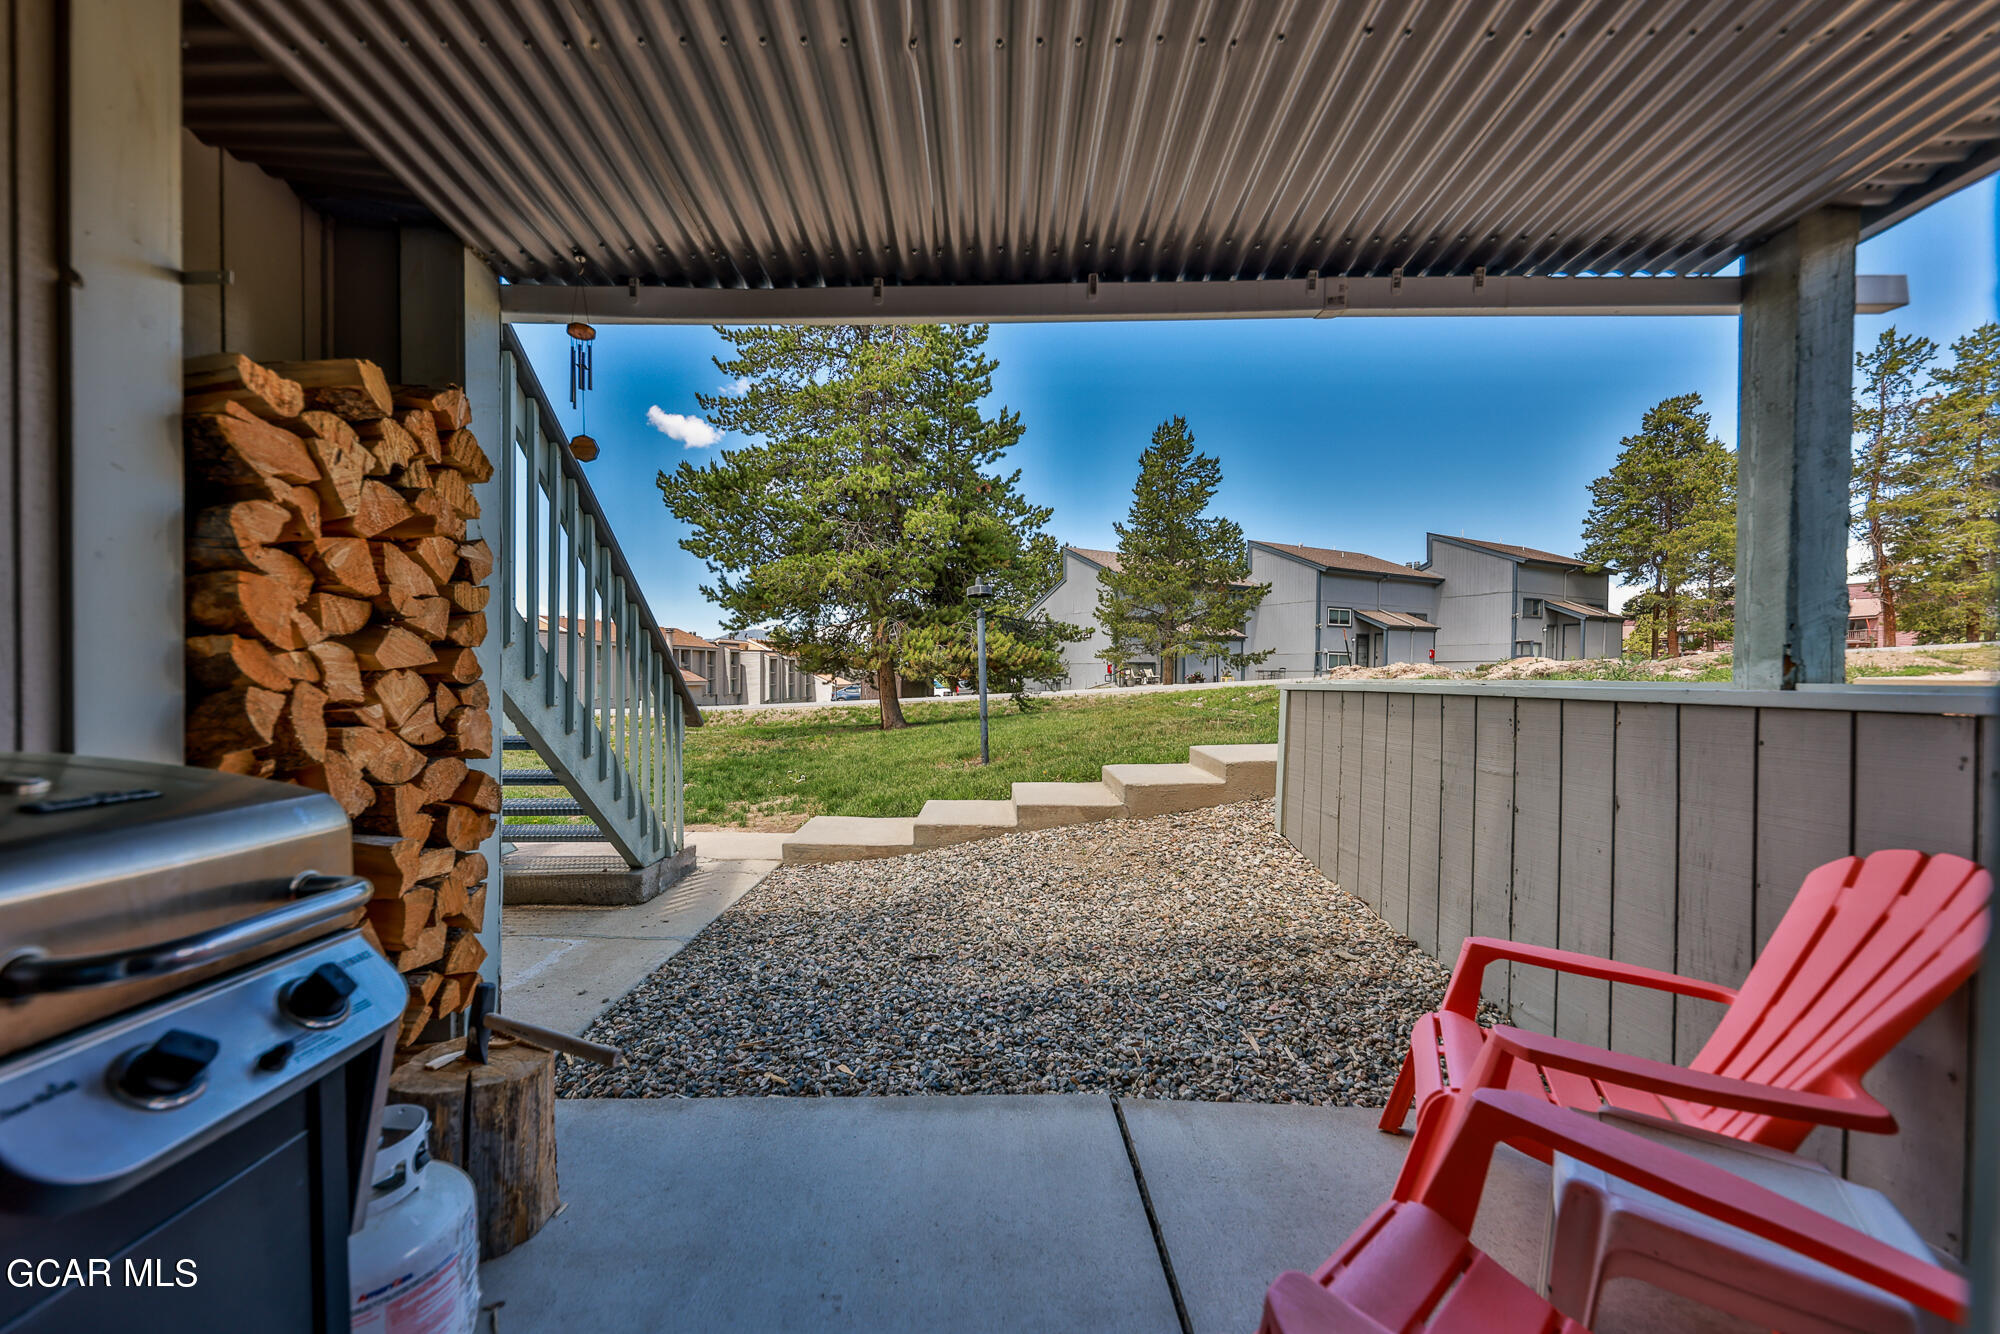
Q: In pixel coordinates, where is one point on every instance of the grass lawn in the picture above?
(778, 767)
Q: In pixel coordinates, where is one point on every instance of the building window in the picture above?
(1527, 648)
(1338, 660)
(1340, 616)
(1531, 606)
(1857, 627)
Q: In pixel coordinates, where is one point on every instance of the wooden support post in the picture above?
(1792, 470)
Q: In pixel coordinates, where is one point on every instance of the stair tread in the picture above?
(1063, 794)
(1144, 775)
(540, 806)
(528, 778)
(515, 743)
(551, 833)
(967, 812)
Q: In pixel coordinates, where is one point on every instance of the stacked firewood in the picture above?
(334, 606)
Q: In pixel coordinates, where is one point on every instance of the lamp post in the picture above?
(981, 593)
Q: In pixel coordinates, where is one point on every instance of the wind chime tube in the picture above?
(581, 380)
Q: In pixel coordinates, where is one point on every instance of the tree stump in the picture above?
(496, 1123)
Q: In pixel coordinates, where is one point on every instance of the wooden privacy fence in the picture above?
(1665, 826)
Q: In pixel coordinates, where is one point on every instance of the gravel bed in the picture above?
(1185, 956)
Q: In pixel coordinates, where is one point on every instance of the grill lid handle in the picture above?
(315, 899)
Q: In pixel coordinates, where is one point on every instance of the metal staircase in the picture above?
(587, 682)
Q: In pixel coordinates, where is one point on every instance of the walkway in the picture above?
(1054, 1213)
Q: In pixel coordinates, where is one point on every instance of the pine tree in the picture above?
(1887, 420)
(1665, 517)
(1947, 540)
(1181, 589)
(866, 504)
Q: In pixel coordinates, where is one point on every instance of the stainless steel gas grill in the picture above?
(194, 1047)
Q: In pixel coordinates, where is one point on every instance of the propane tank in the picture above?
(413, 1268)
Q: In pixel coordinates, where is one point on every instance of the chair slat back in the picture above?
(1868, 948)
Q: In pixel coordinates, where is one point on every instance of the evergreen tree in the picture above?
(1182, 588)
(1665, 517)
(866, 504)
(1888, 421)
(1944, 520)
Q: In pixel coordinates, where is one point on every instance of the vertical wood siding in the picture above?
(33, 667)
(1666, 834)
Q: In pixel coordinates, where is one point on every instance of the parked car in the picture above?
(847, 692)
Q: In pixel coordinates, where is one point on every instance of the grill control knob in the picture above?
(319, 999)
(168, 1073)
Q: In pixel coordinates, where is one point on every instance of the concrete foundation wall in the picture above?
(1664, 827)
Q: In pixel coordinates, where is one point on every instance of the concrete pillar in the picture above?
(126, 604)
(450, 334)
(1794, 442)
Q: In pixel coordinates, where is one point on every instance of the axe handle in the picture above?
(549, 1039)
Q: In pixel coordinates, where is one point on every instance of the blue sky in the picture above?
(1353, 433)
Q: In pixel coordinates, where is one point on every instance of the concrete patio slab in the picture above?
(1245, 1191)
(563, 965)
(738, 845)
(877, 1214)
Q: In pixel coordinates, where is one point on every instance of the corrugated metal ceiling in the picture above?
(782, 143)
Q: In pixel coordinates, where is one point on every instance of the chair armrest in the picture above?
(1476, 1123)
(1462, 996)
(1853, 1109)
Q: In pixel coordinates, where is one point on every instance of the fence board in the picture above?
(1425, 776)
(1537, 855)
(1493, 832)
(1396, 815)
(1374, 736)
(1313, 745)
(1583, 906)
(1291, 813)
(1805, 818)
(1643, 917)
(1350, 792)
(1330, 812)
(1915, 781)
(1718, 790)
(1805, 803)
(1458, 746)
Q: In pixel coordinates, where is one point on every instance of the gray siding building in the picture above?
(1331, 608)
(1075, 600)
(1500, 601)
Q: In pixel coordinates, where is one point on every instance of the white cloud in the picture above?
(736, 388)
(692, 432)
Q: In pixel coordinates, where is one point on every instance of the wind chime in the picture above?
(581, 336)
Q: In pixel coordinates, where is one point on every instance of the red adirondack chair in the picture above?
(1411, 1266)
(1870, 946)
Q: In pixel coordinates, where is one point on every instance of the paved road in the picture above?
(1102, 692)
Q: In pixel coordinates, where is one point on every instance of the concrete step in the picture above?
(1046, 805)
(1162, 789)
(942, 823)
(849, 838)
(1248, 773)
